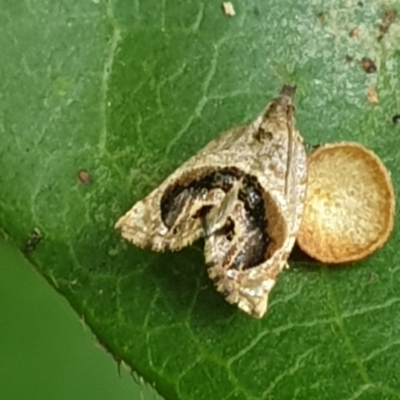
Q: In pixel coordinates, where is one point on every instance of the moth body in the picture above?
(244, 193)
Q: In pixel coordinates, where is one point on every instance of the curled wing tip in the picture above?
(255, 309)
(120, 223)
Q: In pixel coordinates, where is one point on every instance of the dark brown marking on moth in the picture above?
(262, 135)
(253, 251)
(196, 185)
(255, 245)
(228, 230)
(248, 250)
(202, 212)
(173, 205)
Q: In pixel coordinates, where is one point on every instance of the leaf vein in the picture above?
(107, 69)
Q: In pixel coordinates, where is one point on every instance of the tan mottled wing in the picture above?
(278, 162)
(245, 192)
(143, 224)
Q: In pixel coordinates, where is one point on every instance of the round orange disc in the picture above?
(350, 204)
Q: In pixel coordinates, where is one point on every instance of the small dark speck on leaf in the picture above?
(368, 65)
(256, 11)
(349, 59)
(396, 119)
(355, 32)
(360, 4)
(388, 17)
(33, 241)
(84, 177)
(321, 17)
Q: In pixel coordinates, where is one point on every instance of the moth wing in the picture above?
(144, 226)
(233, 264)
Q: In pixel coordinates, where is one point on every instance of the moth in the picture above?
(244, 194)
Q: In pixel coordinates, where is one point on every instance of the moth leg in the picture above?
(217, 217)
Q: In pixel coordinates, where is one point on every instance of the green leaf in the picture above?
(130, 89)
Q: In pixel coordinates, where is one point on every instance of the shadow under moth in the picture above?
(244, 194)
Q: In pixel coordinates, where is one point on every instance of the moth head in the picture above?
(279, 112)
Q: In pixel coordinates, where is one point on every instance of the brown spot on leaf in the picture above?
(355, 32)
(84, 177)
(321, 17)
(388, 18)
(349, 59)
(368, 65)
